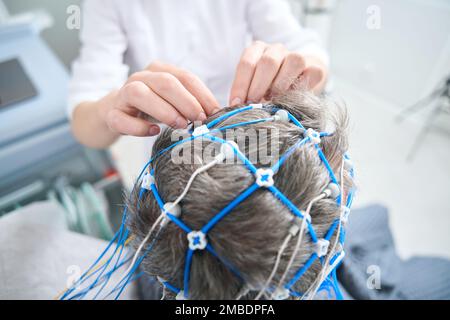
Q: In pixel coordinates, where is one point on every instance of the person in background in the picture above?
(153, 62)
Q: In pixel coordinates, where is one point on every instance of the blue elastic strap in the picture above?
(244, 195)
(171, 287)
(224, 261)
(227, 115)
(295, 121)
(291, 150)
(86, 274)
(135, 267)
(302, 270)
(247, 123)
(187, 271)
(327, 165)
(240, 155)
(294, 210)
(337, 290)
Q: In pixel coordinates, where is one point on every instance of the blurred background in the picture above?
(385, 57)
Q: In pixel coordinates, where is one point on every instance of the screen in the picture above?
(15, 86)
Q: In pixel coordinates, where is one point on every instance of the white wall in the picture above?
(402, 60)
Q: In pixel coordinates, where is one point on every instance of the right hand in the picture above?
(165, 93)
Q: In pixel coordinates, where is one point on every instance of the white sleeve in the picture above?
(100, 67)
(272, 21)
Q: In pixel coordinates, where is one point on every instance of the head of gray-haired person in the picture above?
(249, 238)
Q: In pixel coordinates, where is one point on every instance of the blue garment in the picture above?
(369, 243)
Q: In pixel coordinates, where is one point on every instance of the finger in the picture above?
(169, 88)
(266, 71)
(172, 90)
(192, 83)
(125, 124)
(139, 95)
(312, 77)
(245, 72)
(200, 91)
(292, 68)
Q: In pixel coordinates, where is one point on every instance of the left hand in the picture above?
(268, 70)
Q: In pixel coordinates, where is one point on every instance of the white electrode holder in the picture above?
(264, 177)
(322, 247)
(147, 181)
(332, 191)
(281, 115)
(313, 136)
(173, 209)
(227, 151)
(197, 240)
(201, 130)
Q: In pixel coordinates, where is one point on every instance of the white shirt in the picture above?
(206, 37)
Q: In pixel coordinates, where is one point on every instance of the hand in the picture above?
(163, 92)
(268, 70)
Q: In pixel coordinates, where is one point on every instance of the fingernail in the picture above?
(180, 123)
(236, 101)
(216, 110)
(201, 117)
(153, 131)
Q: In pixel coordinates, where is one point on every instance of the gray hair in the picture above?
(251, 235)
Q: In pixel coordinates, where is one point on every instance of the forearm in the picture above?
(89, 126)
